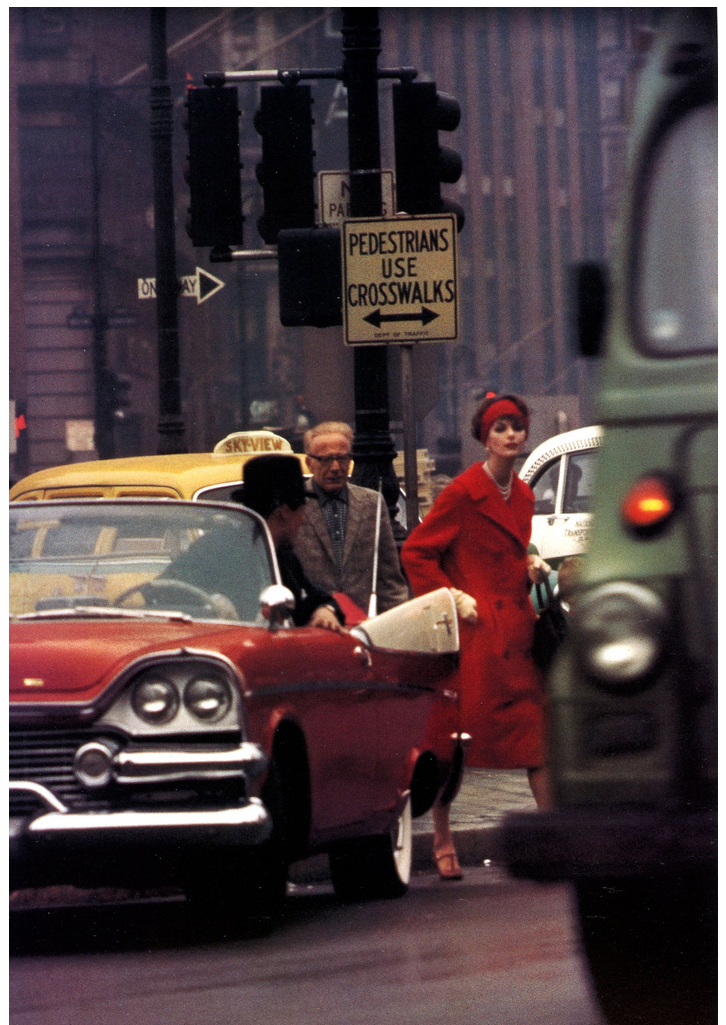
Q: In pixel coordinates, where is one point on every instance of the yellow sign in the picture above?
(255, 443)
(400, 280)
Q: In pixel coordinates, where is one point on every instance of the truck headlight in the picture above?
(621, 629)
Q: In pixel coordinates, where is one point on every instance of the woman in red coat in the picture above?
(474, 540)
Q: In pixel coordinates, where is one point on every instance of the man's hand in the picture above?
(326, 619)
(537, 569)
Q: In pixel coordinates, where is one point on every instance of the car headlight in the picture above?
(155, 700)
(207, 698)
(621, 630)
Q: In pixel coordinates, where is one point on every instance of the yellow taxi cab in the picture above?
(209, 476)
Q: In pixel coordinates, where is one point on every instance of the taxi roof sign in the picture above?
(400, 280)
(251, 443)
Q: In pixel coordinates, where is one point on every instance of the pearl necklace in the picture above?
(505, 491)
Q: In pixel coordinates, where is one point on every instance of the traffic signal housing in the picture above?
(311, 282)
(420, 112)
(213, 171)
(285, 122)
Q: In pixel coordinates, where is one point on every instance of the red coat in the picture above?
(473, 540)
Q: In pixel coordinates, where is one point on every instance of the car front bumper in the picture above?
(58, 843)
(606, 843)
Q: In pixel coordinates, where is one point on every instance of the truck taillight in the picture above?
(649, 504)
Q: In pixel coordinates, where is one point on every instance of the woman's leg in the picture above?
(444, 850)
(539, 781)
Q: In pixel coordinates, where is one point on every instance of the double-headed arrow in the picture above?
(377, 318)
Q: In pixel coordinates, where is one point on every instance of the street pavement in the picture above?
(485, 796)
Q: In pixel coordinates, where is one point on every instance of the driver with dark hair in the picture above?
(273, 487)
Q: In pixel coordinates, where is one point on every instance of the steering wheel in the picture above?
(166, 590)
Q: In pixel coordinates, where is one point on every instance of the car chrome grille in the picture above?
(46, 757)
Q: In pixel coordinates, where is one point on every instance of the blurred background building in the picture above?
(545, 94)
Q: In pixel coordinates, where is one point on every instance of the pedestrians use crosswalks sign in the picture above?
(400, 280)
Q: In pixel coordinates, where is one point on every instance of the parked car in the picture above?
(165, 730)
(561, 472)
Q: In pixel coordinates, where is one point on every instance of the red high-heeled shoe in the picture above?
(448, 865)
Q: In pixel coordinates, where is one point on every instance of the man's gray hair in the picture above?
(327, 427)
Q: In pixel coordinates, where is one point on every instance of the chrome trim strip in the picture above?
(42, 792)
(367, 687)
(252, 814)
(134, 766)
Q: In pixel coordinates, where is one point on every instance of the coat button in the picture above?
(499, 604)
(505, 654)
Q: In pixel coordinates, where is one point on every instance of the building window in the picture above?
(510, 227)
(609, 29)
(46, 31)
(611, 100)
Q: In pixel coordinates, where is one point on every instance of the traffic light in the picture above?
(419, 114)
(285, 122)
(311, 284)
(117, 396)
(213, 171)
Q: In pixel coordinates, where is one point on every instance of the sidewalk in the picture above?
(485, 796)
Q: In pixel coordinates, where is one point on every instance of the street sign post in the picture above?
(334, 196)
(400, 280)
(200, 286)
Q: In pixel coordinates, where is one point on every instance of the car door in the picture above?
(563, 494)
(325, 684)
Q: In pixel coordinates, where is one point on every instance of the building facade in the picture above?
(545, 95)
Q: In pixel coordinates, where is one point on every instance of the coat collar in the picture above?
(514, 516)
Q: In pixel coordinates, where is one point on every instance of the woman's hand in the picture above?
(537, 569)
(465, 605)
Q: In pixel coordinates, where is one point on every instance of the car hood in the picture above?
(68, 660)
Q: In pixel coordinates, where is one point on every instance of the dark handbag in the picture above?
(551, 627)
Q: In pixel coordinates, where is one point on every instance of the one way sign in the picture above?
(400, 280)
(200, 286)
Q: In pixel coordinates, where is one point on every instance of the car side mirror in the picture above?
(590, 293)
(276, 605)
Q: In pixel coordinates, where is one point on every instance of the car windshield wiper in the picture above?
(98, 612)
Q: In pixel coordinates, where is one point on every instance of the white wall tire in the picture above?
(375, 867)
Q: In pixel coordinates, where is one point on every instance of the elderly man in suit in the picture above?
(335, 543)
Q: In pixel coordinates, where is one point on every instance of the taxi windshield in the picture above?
(143, 557)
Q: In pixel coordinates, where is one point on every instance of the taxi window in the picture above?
(147, 491)
(217, 493)
(545, 489)
(22, 536)
(579, 482)
(55, 493)
(70, 538)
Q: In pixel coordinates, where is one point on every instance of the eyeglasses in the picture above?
(343, 459)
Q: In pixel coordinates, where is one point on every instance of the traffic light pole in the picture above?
(171, 422)
(373, 447)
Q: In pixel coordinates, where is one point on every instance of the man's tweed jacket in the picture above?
(315, 551)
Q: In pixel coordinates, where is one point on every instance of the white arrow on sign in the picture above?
(200, 286)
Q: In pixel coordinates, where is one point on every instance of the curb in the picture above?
(473, 846)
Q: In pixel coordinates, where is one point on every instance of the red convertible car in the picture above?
(168, 727)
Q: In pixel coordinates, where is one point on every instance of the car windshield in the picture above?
(137, 558)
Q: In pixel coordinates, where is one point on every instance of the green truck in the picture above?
(633, 691)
